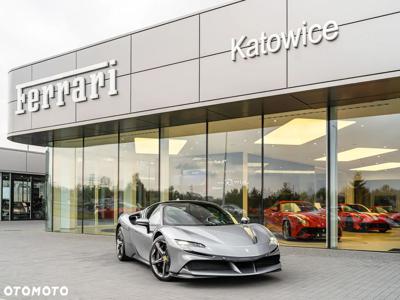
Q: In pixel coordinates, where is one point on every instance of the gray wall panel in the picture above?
(119, 49)
(12, 160)
(167, 86)
(55, 115)
(16, 77)
(36, 163)
(167, 44)
(362, 48)
(17, 122)
(221, 77)
(342, 11)
(106, 105)
(53, 66)
(249, 18)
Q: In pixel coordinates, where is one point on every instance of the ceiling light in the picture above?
(378, 167)
(150, 146)
(256, 164)
(287, 171)
(358, 153)
(300, 131)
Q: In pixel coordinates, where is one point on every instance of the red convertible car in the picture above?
(354, 220)
(297, 219)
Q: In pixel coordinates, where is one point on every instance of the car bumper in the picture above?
(230, 267)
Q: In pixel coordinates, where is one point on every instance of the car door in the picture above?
(142, 238)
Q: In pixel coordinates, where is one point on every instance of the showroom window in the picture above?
(67, 186)
(138, 171)
(183, 162)
(368, 176)
(100, 206)
(234, 166)
(294, 196)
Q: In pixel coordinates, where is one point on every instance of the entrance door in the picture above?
(21, 197)
(38, 192)
(5, 197)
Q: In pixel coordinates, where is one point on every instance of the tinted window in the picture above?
(195, 214)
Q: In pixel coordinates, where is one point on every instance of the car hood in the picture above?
(227, 240)
(316, 216)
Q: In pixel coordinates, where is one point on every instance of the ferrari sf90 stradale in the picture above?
(190, 239)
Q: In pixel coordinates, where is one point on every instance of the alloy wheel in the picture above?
(160, 260)
(120, 244)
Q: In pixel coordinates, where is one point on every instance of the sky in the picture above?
(35, 29)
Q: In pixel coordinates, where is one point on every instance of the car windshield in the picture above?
(359, 208)
(347, 208)
(191, 214)
(381, 210)
(297, 207)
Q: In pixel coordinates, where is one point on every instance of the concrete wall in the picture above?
(20, 161)
(186, 62)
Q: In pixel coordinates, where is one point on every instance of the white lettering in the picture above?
(275, 42)
(8, 291)
(312, 34)
(63, 88)
(79, 89)
(236, 48)
(330, 31)
(33, 99)
(113, 82)
(46, 291)
(47, 93)
(64, 291)
(36, 291)
(21, 100)
(97, 80)
(253, 49)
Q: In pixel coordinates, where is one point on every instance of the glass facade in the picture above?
(22, 197)
(316, 177)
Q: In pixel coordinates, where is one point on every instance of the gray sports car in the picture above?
(190, 239)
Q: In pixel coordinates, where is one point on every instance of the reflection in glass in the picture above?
(138, 177)
(368, 154)
(294, 180)
(183, 162)
(234, 166)
(67, 186)
(100, 209)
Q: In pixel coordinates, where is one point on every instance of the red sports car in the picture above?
(354, 220)
(297, 219)
(389, 212)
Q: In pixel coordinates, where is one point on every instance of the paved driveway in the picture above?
(86, 264)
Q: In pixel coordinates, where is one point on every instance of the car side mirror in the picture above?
(245, 220)
(274, 209)
(144, 222)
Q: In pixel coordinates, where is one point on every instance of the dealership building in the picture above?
(286, 112)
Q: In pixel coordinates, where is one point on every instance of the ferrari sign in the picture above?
(40, 94)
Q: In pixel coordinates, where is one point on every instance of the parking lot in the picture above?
(87, 265)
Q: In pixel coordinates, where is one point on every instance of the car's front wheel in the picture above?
(286, 230)
(160, 260)
(120, 245)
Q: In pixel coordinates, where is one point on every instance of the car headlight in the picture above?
(301, 220)
(187, 244)
(273, 241)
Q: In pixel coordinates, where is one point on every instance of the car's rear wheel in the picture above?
(286, 230)
(120, 245)
(160, 260)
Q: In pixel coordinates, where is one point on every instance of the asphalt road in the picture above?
(87, 265)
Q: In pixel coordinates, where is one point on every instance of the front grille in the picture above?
(314, 231)
(267, 261)
(245, 267)
(207, 265)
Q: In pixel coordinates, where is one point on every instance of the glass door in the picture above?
(21, 197)
(38, 192)
(5, 197)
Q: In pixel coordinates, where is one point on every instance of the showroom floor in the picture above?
(374, 241)
(87, 265)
